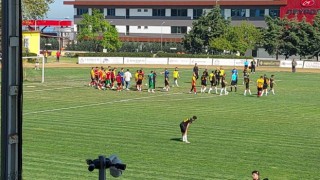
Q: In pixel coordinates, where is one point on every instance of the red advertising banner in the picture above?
(300, 8)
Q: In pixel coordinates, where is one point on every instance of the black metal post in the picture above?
(11, 91)
(102, 169)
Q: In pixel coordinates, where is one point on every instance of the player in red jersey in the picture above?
(119, 82)
(113, 78)
(108, 78)
(139, 81)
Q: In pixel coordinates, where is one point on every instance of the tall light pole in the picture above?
(60, 35)
(161, 35)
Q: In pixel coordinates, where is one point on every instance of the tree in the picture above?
(208, 26)
(290, 38)
(31, 9)
(243, 37)
(272, 40)
(35, 9)
(0, 27)
(314, 44)
(306, 34)
(96, 29)
(221, 44)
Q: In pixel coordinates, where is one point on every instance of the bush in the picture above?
(116, 54)
(28, 54)
(29, 60)
(161, 54)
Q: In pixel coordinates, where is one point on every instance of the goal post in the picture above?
(32, 67)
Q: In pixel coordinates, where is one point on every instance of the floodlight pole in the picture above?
(11, 91)
(161, 35)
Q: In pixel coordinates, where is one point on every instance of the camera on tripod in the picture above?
(113, 163)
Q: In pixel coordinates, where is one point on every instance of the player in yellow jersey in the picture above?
(260, 86)
(102, 79)
(221, 71)
(193, 84)
(136, 77)
(175, 75)
(184, 126)
(92, 76)
(213, 82)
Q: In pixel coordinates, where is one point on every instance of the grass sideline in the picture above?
(66, 122)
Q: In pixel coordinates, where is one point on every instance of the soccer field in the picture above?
(66, 122)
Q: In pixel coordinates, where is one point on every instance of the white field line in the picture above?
(51, 89)
(97, 104)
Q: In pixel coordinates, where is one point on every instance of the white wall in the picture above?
(134, 12)
(168, 12)
(151, 29)
(247, 12)
(190, 13)
(75, 11)
(121, 29)
(266, 12)
(188, 29)
(105, 11)
(90, 11)
(227, 13)
(120, 12)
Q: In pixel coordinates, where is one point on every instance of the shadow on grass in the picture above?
(176, 139)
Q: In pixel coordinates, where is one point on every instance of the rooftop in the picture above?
(174, 2)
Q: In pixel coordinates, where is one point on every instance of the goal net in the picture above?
(33, 69)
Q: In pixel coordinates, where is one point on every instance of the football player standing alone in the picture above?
(184, 126)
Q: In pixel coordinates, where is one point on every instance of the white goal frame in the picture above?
(38, 57)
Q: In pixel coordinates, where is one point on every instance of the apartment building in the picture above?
(169, 20)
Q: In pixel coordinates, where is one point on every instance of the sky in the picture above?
(60, 11)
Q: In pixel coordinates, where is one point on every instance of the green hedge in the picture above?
(201, 56)
(29, 54)
(29, 60)
(115, 54)
(159, 54)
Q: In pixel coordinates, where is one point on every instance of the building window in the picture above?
(145, 10)
(111, 12)
(139, 10)
(179, 12)
(139, 27)
(197, 13)
(222, 12)
(178, 29)
(256, 12)
(238, 13)
(145, 27)
(81, 11)
(158, 12)
(274, 12)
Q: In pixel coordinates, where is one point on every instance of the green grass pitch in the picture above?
(66, 122)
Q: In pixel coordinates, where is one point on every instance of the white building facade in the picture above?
(170, 20)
